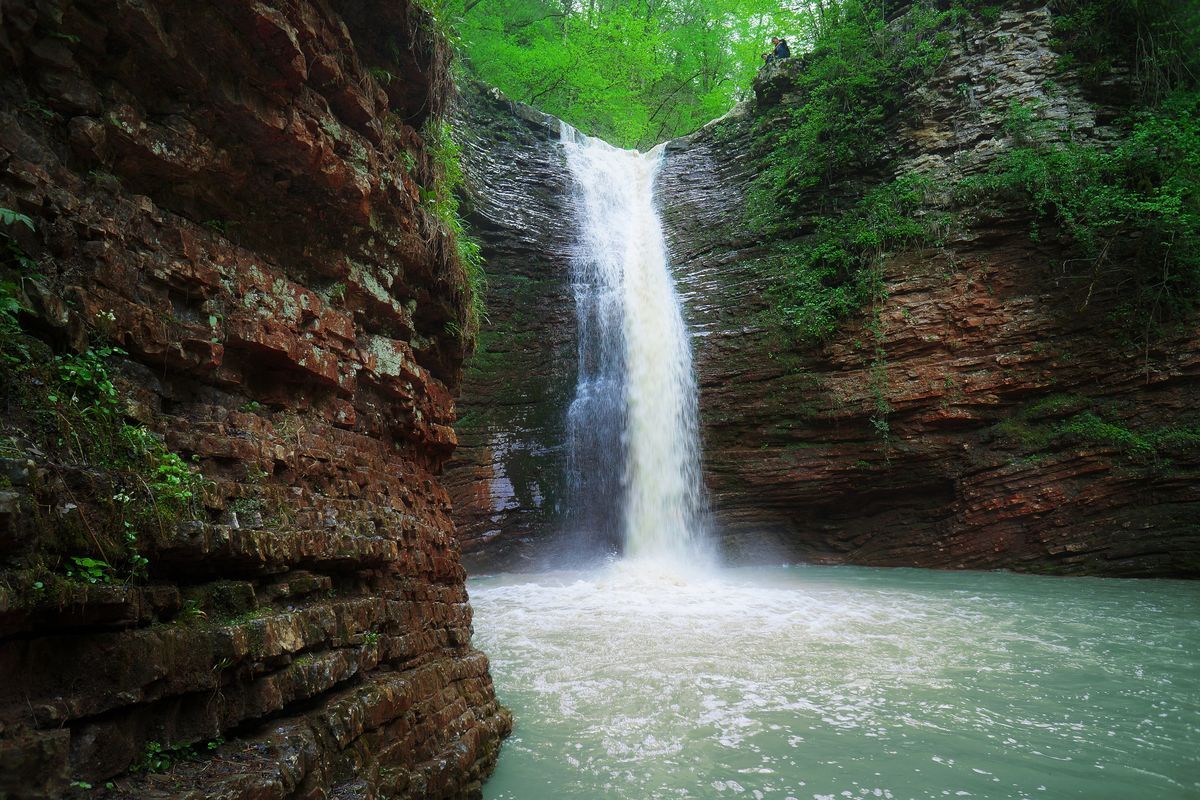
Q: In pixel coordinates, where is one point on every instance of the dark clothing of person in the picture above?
(781, 51)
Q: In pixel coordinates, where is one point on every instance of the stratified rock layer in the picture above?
(507, 475)
(989, 343)
(229, 192)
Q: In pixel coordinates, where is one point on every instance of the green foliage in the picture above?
(12, 349)
(1132, 211)
(447, 17)
(381, 75)
(39, 111)
(337, 292)
(173, 483)
(83, 380)
(70, 408)
(191, 612)
(1158, 39)
(628, 71)
(84, 785)
(442, 200)
(835, 271)
(1091, 428)
(157, 757)
(1062, 420)
(68, 405)
(852, 81)
(89, 417)
(12, 303)
(89, 570)
(10, 217)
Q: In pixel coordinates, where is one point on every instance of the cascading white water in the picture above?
(634, 347)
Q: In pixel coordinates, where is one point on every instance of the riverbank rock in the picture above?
(229, 193)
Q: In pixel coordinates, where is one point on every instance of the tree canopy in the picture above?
(634, 72)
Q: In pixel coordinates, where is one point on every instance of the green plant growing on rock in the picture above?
(381, 75)
(851, 82)
(191, 612)
(71, 408)
(12, 350)
(1158, 40)
(10, 217)
(38, 110)
(835, 271)
(1059, 420)
(442, 201)
(337, 293)
(1132, 212)
(157, 757)
(89, 570)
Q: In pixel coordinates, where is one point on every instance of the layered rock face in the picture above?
(507, 477)
(229, 193)
(989, 343)
(984, 346)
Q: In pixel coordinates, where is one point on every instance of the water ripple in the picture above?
(638, 683)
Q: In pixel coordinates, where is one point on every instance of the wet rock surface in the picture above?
(507, 475)
(234, 191)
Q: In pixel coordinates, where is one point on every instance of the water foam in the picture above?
(813, 682)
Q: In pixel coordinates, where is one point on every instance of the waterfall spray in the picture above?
(635, 402)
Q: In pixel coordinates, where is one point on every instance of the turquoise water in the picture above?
(832, 683)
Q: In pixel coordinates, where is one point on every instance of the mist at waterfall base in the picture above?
(660, 675)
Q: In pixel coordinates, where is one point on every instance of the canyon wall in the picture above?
(507, 477)
(228, 197)
(986, 345)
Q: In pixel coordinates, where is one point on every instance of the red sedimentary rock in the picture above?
(233, 188)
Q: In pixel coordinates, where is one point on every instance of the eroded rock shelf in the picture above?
(241, 211)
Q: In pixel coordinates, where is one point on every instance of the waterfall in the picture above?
(633, 438)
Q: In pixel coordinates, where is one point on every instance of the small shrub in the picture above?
(89, 570)
(835, 272)
(442, 201)
(1132, 212)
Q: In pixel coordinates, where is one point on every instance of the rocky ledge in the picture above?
(229, 194)
(985, 347)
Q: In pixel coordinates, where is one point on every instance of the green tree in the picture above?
(631, 71)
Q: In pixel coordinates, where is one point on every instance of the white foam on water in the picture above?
(637, 682)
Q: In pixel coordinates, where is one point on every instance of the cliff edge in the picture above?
(233, 328)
